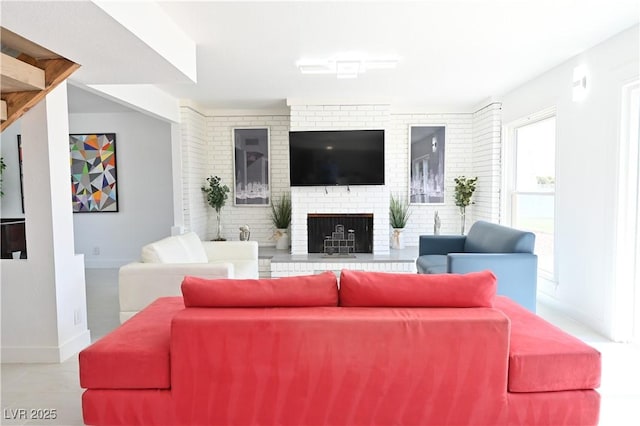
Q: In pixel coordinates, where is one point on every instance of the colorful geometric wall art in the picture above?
(93, 172)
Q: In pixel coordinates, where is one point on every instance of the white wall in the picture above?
(220, 157)
(341, 199)
(458, 161)
(145, 189)
(472, 149)
(586, 172)
(43, 297)
(487, 152)
(208, 151)
(195, 169)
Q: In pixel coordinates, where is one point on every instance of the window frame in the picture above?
(509, 162)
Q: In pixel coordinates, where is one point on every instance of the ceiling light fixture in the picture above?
(344, 66)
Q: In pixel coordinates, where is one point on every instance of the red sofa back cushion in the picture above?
(310, 290)
(475, 289)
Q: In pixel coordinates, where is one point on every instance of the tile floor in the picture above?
(56, 386)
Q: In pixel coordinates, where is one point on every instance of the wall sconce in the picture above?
(579, 83)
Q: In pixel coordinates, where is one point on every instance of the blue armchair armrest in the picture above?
(441, 244)
(516, 272)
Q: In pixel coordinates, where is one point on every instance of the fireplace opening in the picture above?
(340, 234)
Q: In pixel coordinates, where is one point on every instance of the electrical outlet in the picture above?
(96, 251)
(77, 317)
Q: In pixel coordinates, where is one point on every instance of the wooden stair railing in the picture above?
(28, 72)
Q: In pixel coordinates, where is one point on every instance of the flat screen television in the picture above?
(336, 157)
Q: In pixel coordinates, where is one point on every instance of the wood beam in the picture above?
(3, 111)
(22, 45)
(16, 75)
(56, 71)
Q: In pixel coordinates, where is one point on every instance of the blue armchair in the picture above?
(505, 251)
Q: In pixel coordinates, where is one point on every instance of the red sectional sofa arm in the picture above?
(333, 365)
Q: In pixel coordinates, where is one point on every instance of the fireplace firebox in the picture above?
(340, 234)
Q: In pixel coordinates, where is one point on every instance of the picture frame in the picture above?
(21, 173)
(93, 172)
(251, 171)
(427, 164)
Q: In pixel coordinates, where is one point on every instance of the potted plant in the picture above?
(216, 197)
(465, 187)
(398, 217)
(281, 218)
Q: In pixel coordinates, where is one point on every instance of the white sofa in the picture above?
(164, 264)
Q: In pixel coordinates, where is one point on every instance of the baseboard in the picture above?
(547, 287)
(74, 345)
(46, 354)
(571, 312)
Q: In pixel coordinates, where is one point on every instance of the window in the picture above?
(531, 184)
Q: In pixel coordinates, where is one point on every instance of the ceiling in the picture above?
(453, 55)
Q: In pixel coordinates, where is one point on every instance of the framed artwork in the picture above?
(251, 166)
(426, 164)
(20, 169)
(93, 172)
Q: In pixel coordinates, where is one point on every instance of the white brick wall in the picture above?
(458, 161)
(292, 269)
(487, 125)
(472, 149)
(340, 199)
(194, 169)
(220, 158)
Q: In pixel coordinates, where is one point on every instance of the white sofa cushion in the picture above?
(166, 263)
(194, 247)
(186, 248)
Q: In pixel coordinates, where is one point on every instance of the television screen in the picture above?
(336, 157)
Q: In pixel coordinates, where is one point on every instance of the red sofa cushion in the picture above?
(544, 358)
(301, 291)
(475, 289)
(134, 355)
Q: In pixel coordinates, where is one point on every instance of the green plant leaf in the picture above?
(465, 187)
(398, 212)
(281, 212)
(215, 192)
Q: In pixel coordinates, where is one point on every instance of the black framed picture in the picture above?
(426, 164)
(93, 172)
(20, 169)
(251, 166)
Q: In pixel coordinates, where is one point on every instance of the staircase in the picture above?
(27, 73)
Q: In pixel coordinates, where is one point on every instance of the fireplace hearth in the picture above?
(340, 234)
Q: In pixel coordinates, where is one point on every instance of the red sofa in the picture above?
(384, 349)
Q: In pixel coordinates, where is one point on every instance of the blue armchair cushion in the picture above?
(432, 264)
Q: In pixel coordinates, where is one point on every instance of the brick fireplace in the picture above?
(339, 200)
(343, 200)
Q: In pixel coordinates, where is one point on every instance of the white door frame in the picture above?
(626, 289)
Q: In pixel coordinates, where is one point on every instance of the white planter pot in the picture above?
(282, 239)
(397, 238)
